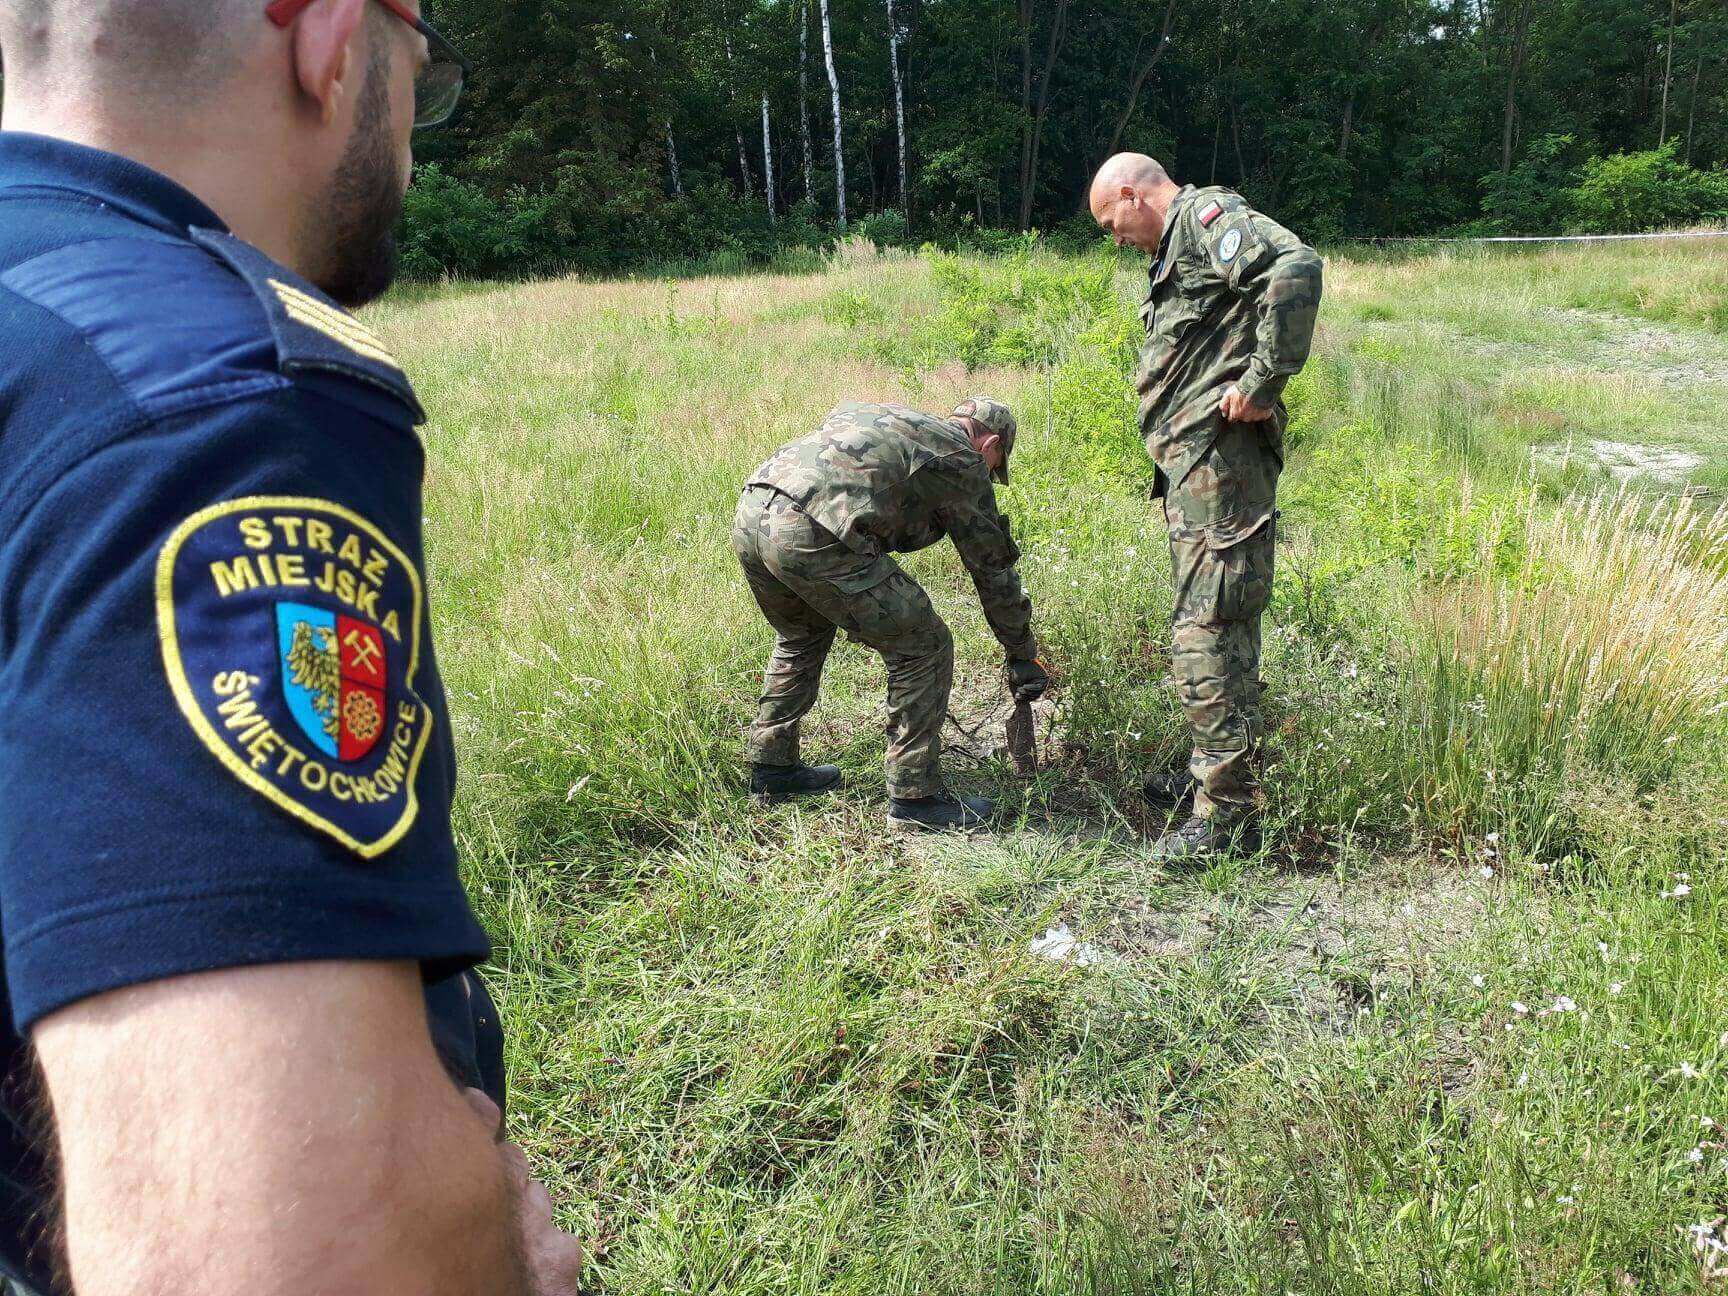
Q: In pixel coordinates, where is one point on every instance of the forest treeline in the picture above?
(608, 134)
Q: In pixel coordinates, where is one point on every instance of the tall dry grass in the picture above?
(1608, 645)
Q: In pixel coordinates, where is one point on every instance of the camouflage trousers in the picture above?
(809, 585)
(1222, 520)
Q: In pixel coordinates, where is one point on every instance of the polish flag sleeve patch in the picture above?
(1212, 212)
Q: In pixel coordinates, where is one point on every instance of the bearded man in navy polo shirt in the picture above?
(243, 1050)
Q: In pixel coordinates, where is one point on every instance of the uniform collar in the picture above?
(43, 162)
(1170, 214)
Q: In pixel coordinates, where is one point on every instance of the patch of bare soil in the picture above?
(1625, 460)
(1649, 350)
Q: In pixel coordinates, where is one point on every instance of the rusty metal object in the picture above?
(1023, 740)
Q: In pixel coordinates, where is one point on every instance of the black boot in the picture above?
(783, 782)
(1199, 842)
(1168, 790)
(940, 814)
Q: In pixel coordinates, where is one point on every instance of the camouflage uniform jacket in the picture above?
(888, 479)
(1233, 300)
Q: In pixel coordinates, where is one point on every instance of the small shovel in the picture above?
(1023, 740)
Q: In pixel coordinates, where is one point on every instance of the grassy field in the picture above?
(1460, 1027)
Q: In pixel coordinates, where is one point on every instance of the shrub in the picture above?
(1023, 311)
(453, 227)
(1533, 197)
(1630, 192)
(887, 229)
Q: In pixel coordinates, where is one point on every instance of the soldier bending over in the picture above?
(815, 532)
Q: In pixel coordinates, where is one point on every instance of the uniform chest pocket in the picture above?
(1168, 315)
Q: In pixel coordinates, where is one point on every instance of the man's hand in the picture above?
(1237, 408)
(1027, 680)
(554, 1258)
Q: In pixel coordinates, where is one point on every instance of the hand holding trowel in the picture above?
(1027, 681)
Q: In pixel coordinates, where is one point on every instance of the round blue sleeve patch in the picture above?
(1229, 246)
(290, 632)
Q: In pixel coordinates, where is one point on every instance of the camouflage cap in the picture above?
(999, 419)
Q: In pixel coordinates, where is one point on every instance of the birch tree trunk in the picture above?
(677, 175)
(804, 101)
(899, 105)
(839, 141)
(768, 160)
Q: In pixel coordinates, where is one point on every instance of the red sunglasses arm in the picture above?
(284, 12)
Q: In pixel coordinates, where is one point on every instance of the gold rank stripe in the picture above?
(332, 323)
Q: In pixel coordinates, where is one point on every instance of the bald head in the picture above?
(180, 49)
(1129, 171)
(1130, 195)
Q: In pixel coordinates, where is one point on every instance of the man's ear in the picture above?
(990, 444)
(324, 62)
(1131, 195)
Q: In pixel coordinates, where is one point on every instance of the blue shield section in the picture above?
(308, 708)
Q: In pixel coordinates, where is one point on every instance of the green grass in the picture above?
(783, 1052)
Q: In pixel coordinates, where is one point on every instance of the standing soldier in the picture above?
(238, 1019)
(815, 530)
(1229, 318)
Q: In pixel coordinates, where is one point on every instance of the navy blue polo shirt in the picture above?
(223, 739)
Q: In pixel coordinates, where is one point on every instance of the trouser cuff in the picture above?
(776, 750)
(917, 788)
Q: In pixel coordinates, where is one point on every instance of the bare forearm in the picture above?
(345, 1167)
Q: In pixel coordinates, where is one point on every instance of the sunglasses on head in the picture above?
(437, 88)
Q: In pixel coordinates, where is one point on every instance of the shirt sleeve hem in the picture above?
(62, 962)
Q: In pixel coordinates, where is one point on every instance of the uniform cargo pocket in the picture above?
(866, 576)
(1241, 549)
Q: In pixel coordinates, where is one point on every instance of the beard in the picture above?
(365, 199)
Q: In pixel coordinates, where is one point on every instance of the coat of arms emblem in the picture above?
(333, 677)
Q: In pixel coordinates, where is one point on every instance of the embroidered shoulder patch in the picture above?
(290, 632)
(1212, 212)
(337, 325)
(1229, 246)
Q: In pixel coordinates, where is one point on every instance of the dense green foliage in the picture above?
(610, 136)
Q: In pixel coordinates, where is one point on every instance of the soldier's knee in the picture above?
(944, 640)
(805, 643)
(927, 652)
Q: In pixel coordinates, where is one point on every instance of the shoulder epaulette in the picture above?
(312, 333)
